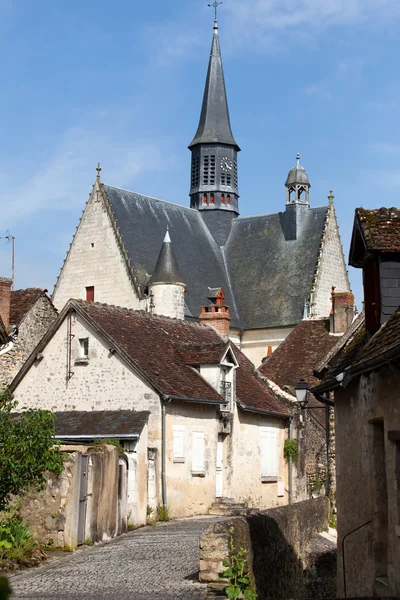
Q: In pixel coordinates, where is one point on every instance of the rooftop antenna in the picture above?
(11, 238)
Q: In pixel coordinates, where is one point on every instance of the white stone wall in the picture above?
(243, 452)
(254, 342)
(169, 300)
(190, 494)
(331, 270)
(95, 259)
(31, 330)
(104, 383)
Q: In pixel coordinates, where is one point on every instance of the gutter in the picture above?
(113, 436)
(196, 400)
(259, 411)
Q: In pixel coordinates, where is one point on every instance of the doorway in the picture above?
(219, 467)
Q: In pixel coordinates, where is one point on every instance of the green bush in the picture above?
(291, 450)
(236, 571)
(162, 513)
(111, 442)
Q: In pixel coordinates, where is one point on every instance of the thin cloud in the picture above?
(63, 182)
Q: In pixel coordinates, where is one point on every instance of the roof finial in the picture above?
(215, 5)
(331, 197)
(167, 238)
(298, 159)
(98, 169)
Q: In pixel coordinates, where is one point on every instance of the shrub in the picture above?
(162, 513)
(237, 572)
(291, 450)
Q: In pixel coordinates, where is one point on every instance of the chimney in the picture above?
(342, 313)
(5, 299)
(217, 314)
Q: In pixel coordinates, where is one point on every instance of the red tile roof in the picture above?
(22, 301)
(380, 228)
(298, 356)
(163, 348)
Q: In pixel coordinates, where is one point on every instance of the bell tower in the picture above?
(214, 174)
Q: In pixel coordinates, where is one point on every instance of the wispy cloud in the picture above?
(63, 181)
(285, 14)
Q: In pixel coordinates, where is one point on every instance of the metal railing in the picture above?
(226, 393)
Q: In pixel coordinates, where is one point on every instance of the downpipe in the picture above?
(290, 464)
(164, 402)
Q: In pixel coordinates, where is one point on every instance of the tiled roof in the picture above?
(159, 347)
(297, 357)
(22, 301)
(380, 228)
(256, 268)
(162, 349)
(90, 424)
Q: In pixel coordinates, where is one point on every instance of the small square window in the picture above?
(84, 344)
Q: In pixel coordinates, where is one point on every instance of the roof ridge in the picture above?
(150, 197)
(279, 212)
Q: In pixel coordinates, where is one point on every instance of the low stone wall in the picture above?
(54, 513)
(279, 544)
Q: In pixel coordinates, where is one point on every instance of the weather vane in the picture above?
(215, 5)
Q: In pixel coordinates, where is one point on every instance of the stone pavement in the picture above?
(152, 563)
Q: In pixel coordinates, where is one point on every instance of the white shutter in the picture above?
(178, 452)
(269, 452)
(198, 452)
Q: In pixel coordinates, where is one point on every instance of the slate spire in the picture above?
(214, 173)
(166, 269)
(214, 125)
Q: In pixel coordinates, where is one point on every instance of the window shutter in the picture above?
(269, 452)
(198, 452)
(177, 446)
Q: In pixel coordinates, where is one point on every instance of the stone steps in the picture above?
(228, 507)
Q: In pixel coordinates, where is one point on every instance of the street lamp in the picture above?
(302, 390)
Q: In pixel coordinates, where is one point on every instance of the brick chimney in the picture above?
(216, 314)
(342, 313)
(5, 299)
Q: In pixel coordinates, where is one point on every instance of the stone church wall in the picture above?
(95, 259)
(31, 330)
(331, 270)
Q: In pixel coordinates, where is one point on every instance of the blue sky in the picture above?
(122, 83)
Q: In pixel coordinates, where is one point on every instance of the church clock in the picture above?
(226, 164)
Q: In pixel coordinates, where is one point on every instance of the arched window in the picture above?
(204, 198)
(222, 198)
(211, 198)
(228, 199)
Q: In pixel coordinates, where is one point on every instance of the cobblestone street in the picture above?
(153, 563)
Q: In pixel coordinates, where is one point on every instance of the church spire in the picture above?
(214, 176)
(214, 125)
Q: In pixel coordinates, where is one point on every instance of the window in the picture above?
(269, 453)
(198, 467)
(222, 198)
(211, 198)
(195, 171)
(204, 198)
(223, 179)
(205, 170)
(212, 170)
(178, 453)
(90, 293)
(84, 344)
(228, 199)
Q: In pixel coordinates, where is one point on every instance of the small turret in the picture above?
(166, 285)
(297, 184)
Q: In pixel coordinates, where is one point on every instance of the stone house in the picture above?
(26, 315)
(273, 268)
(214, 433)
(298, 357)
(363, 372)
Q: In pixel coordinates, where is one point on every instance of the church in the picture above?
(259, 275)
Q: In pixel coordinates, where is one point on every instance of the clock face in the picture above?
(226, 164)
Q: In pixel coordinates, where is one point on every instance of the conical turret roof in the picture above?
(166, 269)
(214, 125)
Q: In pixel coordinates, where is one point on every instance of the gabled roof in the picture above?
(297, 357)
(89, 425)
(152, 346)
(22, 301)
(214, 125)
(272, 277)
(375, 230)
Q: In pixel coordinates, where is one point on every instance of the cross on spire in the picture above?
(215, 5)
(98, 169)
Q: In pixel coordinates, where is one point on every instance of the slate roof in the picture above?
(271, 276)
(214, 125)
(266, 278)
(166, 269)
(95, 424)
(22, 301)
(155, 346)
(297, 357)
